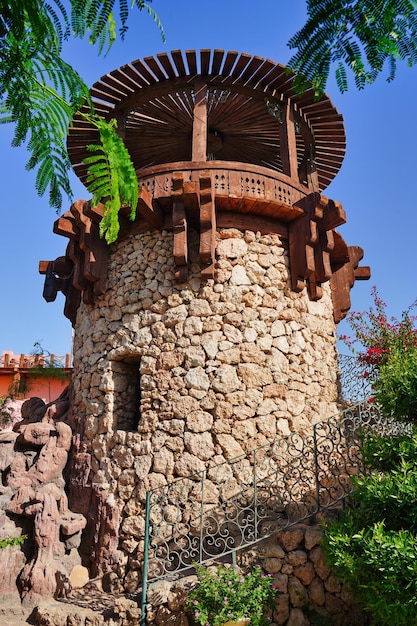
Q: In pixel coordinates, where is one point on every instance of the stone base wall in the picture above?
(171, 378)
(310, 592)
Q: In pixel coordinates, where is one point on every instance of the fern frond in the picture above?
(111, 177)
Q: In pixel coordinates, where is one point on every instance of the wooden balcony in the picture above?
(239, 187)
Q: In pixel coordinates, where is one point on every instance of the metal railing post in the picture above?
(200, 553)
(255, 496)
(145, 559)
(316, 466)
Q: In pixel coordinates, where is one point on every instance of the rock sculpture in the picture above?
(33, 500)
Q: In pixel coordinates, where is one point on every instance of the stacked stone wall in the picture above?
(172, 378)
(309, 592)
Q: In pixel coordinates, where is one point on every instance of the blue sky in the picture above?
(375, 184)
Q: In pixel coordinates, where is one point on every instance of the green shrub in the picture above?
(223, 593)
(373, 546)
(396, 383)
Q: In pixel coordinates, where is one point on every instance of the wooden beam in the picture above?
(199, 143)
(179, 224)
(61, 266)
(207, 219)
(95, 213)
(65, 226)
(288, 144)
(362, 273)
(149, 209)
(333, 216)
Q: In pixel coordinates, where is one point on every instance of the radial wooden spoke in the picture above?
(179, 62)
(205, 61)
(217, 61)
(229, 62)
(141, 68)
(166, 64)
(133, 75)
(154, 66)
(192, 62)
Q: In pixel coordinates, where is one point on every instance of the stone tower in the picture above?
(208, 328)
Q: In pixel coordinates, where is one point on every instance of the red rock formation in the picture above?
(32, 461)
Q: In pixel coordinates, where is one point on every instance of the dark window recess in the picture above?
(127, 395)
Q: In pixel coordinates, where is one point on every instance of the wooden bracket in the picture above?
(311, 241)
(179, 224)
(192, 202)
(207, 225)
(95, 248)
(149, 209)
(302, 237)
(343, 279)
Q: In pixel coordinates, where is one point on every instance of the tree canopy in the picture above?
(40, 93)
(361, 36)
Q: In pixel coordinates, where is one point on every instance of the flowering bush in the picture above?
(222, 594)
(389, 352)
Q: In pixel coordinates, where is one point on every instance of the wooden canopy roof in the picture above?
(155, 103)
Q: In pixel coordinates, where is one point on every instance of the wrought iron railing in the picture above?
(355, 385)
(235, 504)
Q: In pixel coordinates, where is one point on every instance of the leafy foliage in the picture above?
(97, 17)
(396, 384)
(389, 351)
(363, 36)
(223, 593)
(12, 541)
(40, 93)
(45, 368)
(6, 412)
(111, 178)
(372, 546)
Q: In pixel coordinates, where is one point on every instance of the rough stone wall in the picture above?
(169, 379)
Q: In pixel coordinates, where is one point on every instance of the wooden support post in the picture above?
(192, 201)
(199, 144)
(179, 223)
(325, 245)
(288, 143)
(301, 236)
(207, 224)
